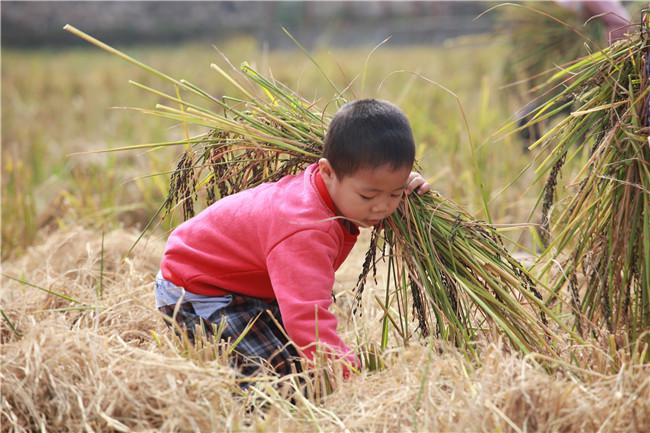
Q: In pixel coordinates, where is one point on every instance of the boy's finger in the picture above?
(418, 184)
(424, 188)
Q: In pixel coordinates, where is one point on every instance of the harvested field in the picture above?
(113, 366)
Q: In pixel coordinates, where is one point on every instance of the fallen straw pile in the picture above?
(603, 227)
(454, 271)
(101, 369)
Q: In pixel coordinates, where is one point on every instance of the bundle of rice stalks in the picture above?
(452, 271)
(543, 35)
(603, 227)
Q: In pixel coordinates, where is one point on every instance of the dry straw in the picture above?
(452, 271)
(112, 368)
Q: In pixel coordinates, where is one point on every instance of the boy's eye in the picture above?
(365, 197)
(398, 195)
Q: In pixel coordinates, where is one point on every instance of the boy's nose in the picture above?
(380, 207)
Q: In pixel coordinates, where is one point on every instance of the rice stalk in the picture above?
(50, 292)
(452, 270)
(601, 232)
(9, 323)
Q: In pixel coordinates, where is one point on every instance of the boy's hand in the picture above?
(417, 183)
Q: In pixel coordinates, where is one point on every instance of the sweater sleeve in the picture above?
(301, 268)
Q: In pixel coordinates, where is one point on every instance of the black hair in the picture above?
(368, 133)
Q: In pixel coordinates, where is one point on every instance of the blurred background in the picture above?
(63, 99)
(337, 23)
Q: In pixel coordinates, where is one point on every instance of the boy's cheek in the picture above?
(394, 208)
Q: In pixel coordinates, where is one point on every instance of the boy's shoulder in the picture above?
(277, 211)
(294, 198)
(299, 196)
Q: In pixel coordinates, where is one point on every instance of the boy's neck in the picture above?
(324, 192)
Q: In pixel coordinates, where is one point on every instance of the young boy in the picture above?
(266, 257)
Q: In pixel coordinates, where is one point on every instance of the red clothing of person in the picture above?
(277, 241)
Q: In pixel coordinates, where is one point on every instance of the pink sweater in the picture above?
(277, 241)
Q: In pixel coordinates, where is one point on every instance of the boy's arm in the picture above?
(301, 268)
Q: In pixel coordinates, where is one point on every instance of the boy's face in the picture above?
(368, 195)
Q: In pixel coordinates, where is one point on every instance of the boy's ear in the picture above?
(326, 170)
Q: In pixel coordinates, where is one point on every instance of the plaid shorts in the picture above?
(265, 342)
